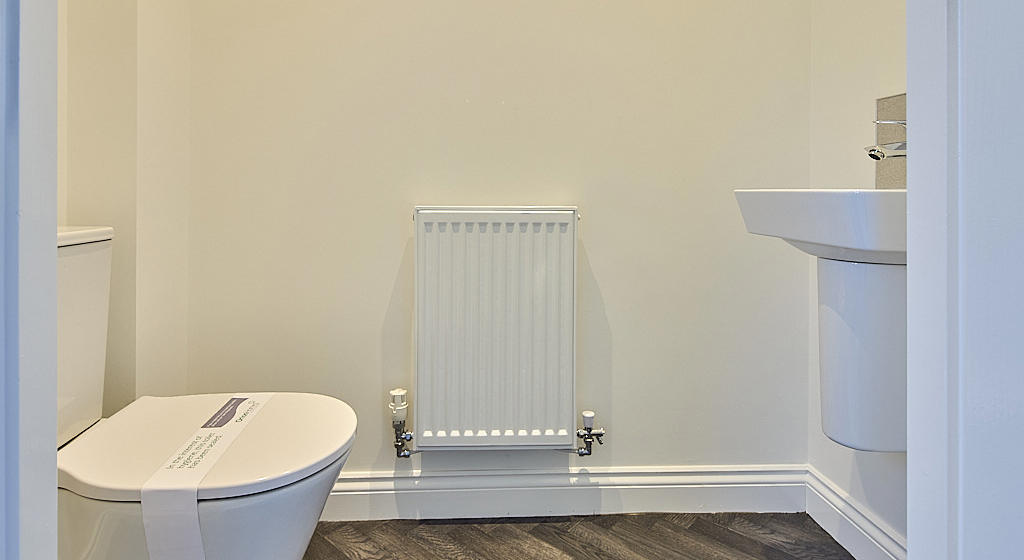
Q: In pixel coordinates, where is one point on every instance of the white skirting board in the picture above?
(604, 490)
(850, 523)
(577, 491)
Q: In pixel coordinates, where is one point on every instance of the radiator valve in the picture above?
(588, 433)
(399, 406)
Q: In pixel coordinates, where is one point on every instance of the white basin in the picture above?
(857, 225)
(859, 237)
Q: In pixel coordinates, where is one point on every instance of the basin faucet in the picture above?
(890, 150)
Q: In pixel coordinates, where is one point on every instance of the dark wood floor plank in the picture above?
(321, 549)
(800, 521)
(518, 538)
(754, 526)
(353, 542)
(435, 538)
(442, 526)
(482, 545)
(637, 538)
(661, 536)
(706, 546)
(794, 525)
(603, 538)
(575, 547)
(674, 539)
(597, 520)
(393, 536)
(723, 518)
(641, 519)
(683, 520)
(791, 538)
(753, 547)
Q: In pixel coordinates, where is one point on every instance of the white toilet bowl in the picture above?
(260, 500)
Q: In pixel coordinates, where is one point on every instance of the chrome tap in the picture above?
(399, 406)
(588, 433)
(890, 150)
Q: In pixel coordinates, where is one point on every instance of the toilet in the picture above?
(258, 496)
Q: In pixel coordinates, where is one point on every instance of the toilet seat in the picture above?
(293, 436)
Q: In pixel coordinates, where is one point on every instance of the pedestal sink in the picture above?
(859, 237)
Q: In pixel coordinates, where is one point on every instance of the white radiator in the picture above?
(495, 327)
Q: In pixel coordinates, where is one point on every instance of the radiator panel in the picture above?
(495, 327)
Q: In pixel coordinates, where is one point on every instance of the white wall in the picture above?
(29, 276)
(991, 272)
(316, 130)
(858, 55)
(965, 384)
(933, 371)
(8, 278)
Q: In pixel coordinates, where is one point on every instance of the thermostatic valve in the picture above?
(588, 433)
(399, 405)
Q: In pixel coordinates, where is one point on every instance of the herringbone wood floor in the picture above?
(712, 536)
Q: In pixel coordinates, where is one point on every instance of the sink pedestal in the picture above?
(862, 348)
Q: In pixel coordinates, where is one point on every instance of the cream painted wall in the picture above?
(62, 112)
(163, 185)
(262, 166)
(99, 151)
(317, 128)
(858, 55)
(124, 159)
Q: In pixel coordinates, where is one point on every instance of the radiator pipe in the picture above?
(399, 405)
(588, 433)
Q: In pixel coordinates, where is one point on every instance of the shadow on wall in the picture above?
(594, 355)
(498, 494)
(872, 473)
(396, 345)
